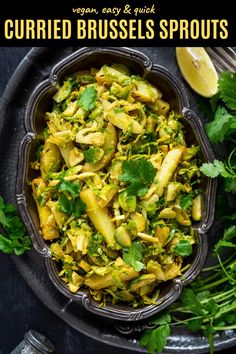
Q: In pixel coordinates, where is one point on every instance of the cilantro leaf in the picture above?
(73, 207)
(230, 184)
(183, 248)
(190, 300)
(79, 208)
(155, 340)
(160, 203)
(139, 174)
(3, 219)
(163, 318)
(39, 152)
(227, 88)
(69, 201)
(223, 124)
(195, 324)
(212, 307)
(221, 128)
(93, 154)
(72, 187)
(87, 99)
(6, 245)
(223, 243)
(65, 204)
(133, 256)
(15, 239)
(229, 234)
(212, 169)
(186, 201)
(216, 168)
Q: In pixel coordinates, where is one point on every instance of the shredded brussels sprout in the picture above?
(117, 189)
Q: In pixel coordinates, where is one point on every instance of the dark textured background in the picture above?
(20, 309)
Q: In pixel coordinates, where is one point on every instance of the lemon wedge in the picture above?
(198, 70)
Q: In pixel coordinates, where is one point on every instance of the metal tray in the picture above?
(34, 69)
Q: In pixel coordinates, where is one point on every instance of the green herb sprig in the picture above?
(14, 238)
(133, 256)
(223, 128)
(87, 99)
(138, 174)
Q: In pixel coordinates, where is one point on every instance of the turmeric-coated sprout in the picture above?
(117, 190)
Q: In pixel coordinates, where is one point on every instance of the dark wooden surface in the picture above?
(20, 309)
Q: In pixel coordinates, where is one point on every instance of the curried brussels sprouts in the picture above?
(117, 189)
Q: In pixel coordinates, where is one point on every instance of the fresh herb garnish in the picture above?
(223, 106)
(133, 256)
(183, 248)
(216, 168)
(69, 200)
(223, 125)
(186, 201)
(15, 238)
(74, 207)
(229, 234)
(39, 152)
(156, 339)
(93, 154)
(227, 89)
(96, 249)
(160, 203)
(230, 185)
(139, 174)
(72, 187)
(213, 169)
(87, 99)
(222, 128)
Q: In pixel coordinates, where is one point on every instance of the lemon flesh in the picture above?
(198, 70)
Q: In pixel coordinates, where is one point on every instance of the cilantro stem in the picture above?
(211, 268)
(180, 322)
(216, 328)
(225, 303)
(224, 328)
(228, 309)
(214, 284)
(224, 270)
(224, 295)
(207, 280)
(217, 267)
(180, 309)
(232, 169)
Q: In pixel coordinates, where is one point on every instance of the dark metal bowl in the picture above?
(175, 94)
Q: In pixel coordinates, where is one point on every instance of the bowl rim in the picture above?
(40, 245)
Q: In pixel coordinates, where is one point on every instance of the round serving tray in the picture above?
(33, 69)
